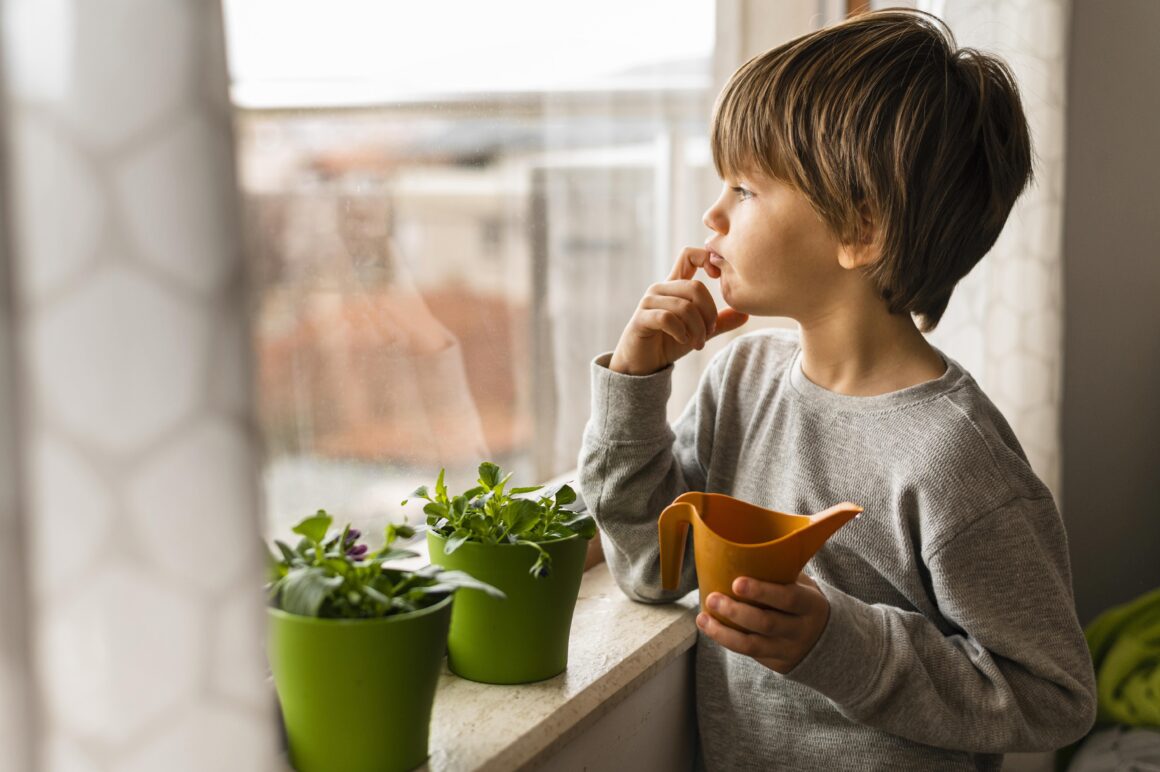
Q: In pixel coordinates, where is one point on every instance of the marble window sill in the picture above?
(616, 646)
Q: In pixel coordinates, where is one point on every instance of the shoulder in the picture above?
(979, 423)
(972, 455)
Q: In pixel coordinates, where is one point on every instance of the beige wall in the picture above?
(1111, 415)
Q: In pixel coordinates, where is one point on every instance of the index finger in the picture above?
(783, 597)
(687, 264)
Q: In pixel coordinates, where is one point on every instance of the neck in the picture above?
(863, 350)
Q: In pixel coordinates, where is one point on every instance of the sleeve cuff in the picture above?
(629, 408)
(845, 660)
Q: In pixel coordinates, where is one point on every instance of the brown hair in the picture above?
(884, 112)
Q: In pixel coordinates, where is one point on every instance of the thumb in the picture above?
(807, 580)
(728, 320)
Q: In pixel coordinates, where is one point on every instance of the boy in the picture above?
(868, 167)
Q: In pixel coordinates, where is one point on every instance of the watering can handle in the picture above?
(673, 529)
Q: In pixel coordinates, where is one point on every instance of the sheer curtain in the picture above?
(1005, 320)
(130, 559)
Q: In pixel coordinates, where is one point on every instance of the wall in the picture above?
(1111, 416)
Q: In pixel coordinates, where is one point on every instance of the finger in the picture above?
(789, 598)
(659, 320)
(743, 643)
(766, 622)
(697, 294)
(807, 580)
(730, 319)
(690, 260)
(684, 308)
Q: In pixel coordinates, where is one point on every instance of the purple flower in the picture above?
(352, 535)
(357, 551)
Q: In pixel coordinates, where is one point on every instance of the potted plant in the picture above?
(355, 647)
(527, 543)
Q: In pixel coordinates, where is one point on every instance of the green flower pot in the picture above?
(356, 694)
(525, 637)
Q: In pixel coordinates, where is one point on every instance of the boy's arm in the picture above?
(1016, 675)
(632, 465)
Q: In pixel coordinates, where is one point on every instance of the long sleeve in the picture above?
(632, 464)
(1014, 674)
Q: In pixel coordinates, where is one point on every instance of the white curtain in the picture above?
(1005, 320)
(130, 554)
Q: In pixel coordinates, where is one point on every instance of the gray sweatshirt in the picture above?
(952, 635)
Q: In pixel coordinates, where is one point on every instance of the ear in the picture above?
(851, 256)
(867, 247)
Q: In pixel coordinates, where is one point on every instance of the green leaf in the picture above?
(458, 507)
(460, 579)
(476, 522)
(503, 484)
(565, 496)
(394, 554)
(305, 589)
(376, 596)
(436, 509)
(584, 525)
(275, 568)
(288, 555)
(315, 526)
(396, 530)
(456, 541)
(338, 565)
(488, 474)
(427, 572)
(521, 515)
(440, 488)
(418, 593)
(419, 493)
(273, 588)
(550, 491)
(529, 489)
(558, 531)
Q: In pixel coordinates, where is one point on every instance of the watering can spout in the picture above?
(823, 525)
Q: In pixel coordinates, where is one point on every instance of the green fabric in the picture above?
(1125, 647)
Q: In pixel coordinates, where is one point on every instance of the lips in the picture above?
(716, 259)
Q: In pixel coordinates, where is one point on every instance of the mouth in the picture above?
(716, 259)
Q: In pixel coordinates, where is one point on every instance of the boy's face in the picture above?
(778, 256)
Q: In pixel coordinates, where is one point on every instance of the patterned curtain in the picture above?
(131, 625)
(1005, 320)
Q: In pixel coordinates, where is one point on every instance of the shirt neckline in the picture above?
(920, 392)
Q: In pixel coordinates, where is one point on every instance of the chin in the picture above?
(738, 302)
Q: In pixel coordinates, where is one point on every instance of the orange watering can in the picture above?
(733, 538)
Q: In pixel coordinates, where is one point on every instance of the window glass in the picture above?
(450, 208)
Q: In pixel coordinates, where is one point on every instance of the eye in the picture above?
(742, 192)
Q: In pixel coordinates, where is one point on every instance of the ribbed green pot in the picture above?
(357, 694)
(525, 637)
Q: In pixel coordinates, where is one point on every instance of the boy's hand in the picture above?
(785, 620)
(674, 317)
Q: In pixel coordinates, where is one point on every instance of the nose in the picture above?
(714, 218)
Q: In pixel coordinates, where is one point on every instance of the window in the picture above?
(450, 208)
